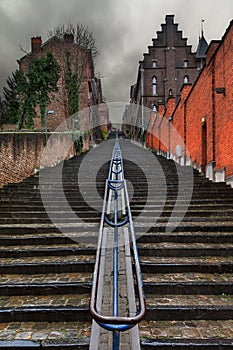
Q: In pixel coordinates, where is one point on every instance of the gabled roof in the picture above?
(202, 47)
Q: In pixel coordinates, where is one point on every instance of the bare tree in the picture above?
(83, 36)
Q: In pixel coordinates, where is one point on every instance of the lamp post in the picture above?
(49, 111)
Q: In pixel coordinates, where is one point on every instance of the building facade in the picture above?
(90, 93)
(168, 64)
(203, 117)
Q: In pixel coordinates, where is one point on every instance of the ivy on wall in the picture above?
(26, 92)
(72, 84)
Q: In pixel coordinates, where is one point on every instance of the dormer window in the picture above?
(186, 63)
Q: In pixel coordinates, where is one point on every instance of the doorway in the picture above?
(204, 147)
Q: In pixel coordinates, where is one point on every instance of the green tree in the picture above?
(3, 111)
(25, 92)
(11, 96)
(27, 102)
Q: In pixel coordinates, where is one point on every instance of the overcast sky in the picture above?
(123, 30)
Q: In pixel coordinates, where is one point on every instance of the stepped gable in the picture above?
(168, 64)
(169, 35)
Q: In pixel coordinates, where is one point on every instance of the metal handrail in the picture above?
(117, 323)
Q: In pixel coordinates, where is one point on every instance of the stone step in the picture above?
(195, 334)
(187, 277)
(47, 288)
(45, 221)
(187, 237)
(19, 279)
(35, 215)
(70, 184)
(48, 313)
(16, 252)
(201, 260)
(206, 287)
(44, 266)
(142, 220)
(136, 200)
(201, 226)
(158, 313)
(179, 267)
(34, 192)
(52, 239)
(190, 210)
(189, 300)
(45, 335)
(193, 312)
(37, 207)
(35, 301)
(185, 249)
(90, 238)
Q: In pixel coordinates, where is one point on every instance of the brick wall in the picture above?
(78, 57)
(20, 154)
(204, 115)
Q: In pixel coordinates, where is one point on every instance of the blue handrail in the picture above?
(116, 323)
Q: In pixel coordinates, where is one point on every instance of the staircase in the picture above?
(187, 273)
(46, 275)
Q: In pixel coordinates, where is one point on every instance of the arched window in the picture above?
(186, 79)
(154, 85)
(154, 108)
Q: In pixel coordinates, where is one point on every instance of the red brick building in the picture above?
(90, 87)
(203, 117)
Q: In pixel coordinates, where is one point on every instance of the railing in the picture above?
(114, 185)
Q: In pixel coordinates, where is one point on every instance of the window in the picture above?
(186, 63)
(154, 108)
(186, 79)
(154, 85)
(154, 64)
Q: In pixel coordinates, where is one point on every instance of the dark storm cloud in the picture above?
(123, 30)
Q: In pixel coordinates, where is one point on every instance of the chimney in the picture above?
(69, 38)
(36, 43)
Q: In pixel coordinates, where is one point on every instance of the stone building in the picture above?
(168, 64)
(80, 59)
